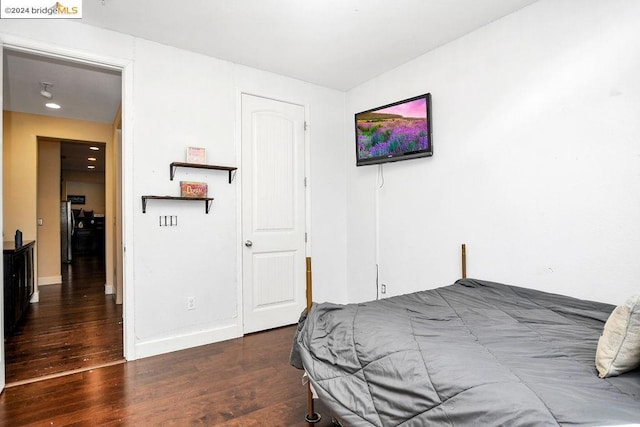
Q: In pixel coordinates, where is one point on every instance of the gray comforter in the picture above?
(473, 353)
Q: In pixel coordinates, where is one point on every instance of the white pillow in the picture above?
(619, 346)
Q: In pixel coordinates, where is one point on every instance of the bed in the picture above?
(472, 353)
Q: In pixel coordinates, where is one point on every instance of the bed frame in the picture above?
(312, 417)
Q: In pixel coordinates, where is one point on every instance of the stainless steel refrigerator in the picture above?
(67, 224)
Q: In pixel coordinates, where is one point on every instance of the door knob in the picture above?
(248, 243)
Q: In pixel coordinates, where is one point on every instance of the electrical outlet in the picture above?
(383, 288)
(191, 303)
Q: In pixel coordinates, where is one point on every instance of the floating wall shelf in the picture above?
(207, 201)
(172, 173)
(174, 165)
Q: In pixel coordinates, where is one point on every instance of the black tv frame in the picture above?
(403, 156)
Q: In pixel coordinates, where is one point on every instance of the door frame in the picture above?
(307, 190)
(2, 358)
(125, 66)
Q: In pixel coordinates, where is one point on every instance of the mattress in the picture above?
(472, 353)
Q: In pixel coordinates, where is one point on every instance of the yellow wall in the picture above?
(88, 184)
(49, 212)
(20, 149)
(82, 176)
(113, 177)
(93, 195)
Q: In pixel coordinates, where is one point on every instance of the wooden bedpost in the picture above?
(464, 261)
(312, 417)
(309, 290)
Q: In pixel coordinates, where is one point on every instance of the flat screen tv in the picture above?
(393, 132)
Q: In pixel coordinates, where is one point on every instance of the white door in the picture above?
(273, 213)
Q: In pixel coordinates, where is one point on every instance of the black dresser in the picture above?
(18, 282)
(88, 236)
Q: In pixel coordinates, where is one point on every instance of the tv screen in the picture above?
(397, 131)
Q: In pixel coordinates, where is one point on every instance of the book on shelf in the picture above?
(196, 155)
(193, 189)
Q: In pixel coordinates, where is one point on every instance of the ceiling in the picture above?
(74, 156)
(84, 92)
(334, 43)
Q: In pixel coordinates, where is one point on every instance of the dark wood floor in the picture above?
(241, 382)
(74, 326)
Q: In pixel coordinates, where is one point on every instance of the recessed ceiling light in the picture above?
(52, 105)
(94, 148)
(91, 159)
(91, 167)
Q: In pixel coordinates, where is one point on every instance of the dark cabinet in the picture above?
(88, 236)
(18, 282)
(83, 241)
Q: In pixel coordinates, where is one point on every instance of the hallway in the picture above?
(75, 326)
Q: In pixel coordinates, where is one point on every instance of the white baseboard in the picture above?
(109, 290)
(50, 280)
(35, 297)
(167, 345)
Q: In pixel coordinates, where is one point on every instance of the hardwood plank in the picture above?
(74, 326)
(245, 381)
(242, 382)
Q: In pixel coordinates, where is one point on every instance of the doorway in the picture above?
(73, 328)
(273, 212)
(71, 77)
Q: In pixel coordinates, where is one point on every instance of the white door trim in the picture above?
(2, 359)
(307, 162)
(126, 68)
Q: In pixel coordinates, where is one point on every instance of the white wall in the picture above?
(536, 163)
(182, 99)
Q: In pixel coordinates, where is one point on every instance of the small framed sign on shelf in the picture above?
(196, 155)
(193, 189)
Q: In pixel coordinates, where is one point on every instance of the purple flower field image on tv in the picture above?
(394, 130)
